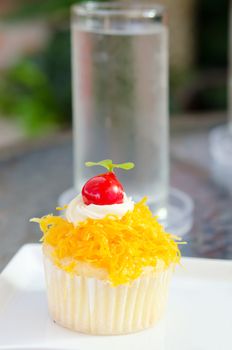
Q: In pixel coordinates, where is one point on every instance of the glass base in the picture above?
(179, 213)
(220, 146)
(178, 218)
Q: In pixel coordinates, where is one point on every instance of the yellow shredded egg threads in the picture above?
(123, 247)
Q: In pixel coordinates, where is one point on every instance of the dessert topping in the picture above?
(104, 189)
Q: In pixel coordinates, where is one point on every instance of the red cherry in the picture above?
(103, 189)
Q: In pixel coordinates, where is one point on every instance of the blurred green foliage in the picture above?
(215, 97)
(202, 88)
(37, 89)
(212, 32)
(26, 93)
(43, 8)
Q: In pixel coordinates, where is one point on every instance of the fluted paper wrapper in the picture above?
(93, 306)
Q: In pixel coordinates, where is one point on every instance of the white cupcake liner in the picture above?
(90, 305)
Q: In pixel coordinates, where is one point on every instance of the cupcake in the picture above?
(107, 260)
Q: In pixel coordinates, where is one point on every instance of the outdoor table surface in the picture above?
(34, 173)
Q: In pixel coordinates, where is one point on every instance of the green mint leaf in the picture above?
(108, 164)
(125, 166)
(90, 163)
(105, 162)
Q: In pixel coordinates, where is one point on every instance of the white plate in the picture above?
(199, 314)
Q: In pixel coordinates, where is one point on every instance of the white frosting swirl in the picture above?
(78, 211)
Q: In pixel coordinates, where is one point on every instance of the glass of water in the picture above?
(120, 94)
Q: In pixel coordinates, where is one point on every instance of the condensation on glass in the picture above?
(120, 94)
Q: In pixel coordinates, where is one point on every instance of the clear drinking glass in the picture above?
(120, 94)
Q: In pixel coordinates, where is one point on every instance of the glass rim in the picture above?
(116, 8)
